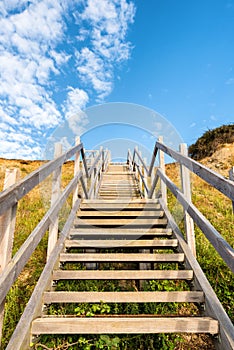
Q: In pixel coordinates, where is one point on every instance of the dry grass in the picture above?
(211, 203)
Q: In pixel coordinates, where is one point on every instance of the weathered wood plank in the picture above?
(216, 180)
(11, 196)
(20, 339)
(115, 207)
(119, 214)
(120, 201)
(186, 188)
(7, 229)
(121, 257)
(139, 221)
(134, 231)
(218, 242)
(123, 297)
(213, 306)
(162, 166)
(56, 191)
(150, 243)
(20, 259)
(76, 170)
(123, 275)
(124, 325)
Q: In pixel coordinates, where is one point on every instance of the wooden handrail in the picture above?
(218, 242)
(223, 185)
(13, 194)
(216, 180)
(19, 339)
(10, 197)
(136, 152)
(17, 263)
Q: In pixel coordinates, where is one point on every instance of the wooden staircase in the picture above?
(124, 244)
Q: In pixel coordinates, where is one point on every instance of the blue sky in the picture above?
(58, 57)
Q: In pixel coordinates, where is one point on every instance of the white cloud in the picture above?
(110, 20)
(35, 63)
(76, 100)
(192, 125)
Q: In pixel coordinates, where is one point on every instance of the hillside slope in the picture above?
(211, 141)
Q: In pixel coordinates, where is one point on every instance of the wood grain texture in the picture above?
(123, 275)
(124, 325)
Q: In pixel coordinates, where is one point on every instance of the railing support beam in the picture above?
(163, 168)
(186, 189)
(56, 189)
(231, 177)
(7, 229)
(76, 170)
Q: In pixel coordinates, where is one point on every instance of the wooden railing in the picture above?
(192, 214)
(88, 172)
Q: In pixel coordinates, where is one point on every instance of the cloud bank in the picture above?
(56, 57)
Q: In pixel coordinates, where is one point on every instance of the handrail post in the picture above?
(56, 189)
(92, 175)
(162, 166)
(186, 188)
(231, 177)
(152, 176)
(7, 229)
(145, 178)
(76, 170)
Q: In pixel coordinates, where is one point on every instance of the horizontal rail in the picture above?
(94, 164)
(140, 158)
(142, 178)
(94, 182)
(223, 185)
(13, 194)
(17, 263)
(20, 337)
(212, 303)
(218, 242)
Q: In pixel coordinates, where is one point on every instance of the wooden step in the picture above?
(150, 243)
(127, 205)
(123, 297)
(123, 275)
(117, 173)
(121, 233)
(142, 201)
(121, 257)
(139, 221)
(123, 325)
(121, 214)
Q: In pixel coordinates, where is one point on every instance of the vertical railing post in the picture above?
(152, 180)
(76, 170)
(162, 167)
(145, 178)
(231, 177)
(7, 229)
(186, 188)
(56, 189)
(92, 175)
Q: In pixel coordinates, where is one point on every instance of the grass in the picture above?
(31, 208)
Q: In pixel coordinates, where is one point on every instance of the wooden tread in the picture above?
(119, 231)
(139, 221)
(124, 325)
(121, 257)
(120, 214)
(107, 243)
(123, 275)
(123, 297)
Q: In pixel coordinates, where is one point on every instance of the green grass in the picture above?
(31, 209)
